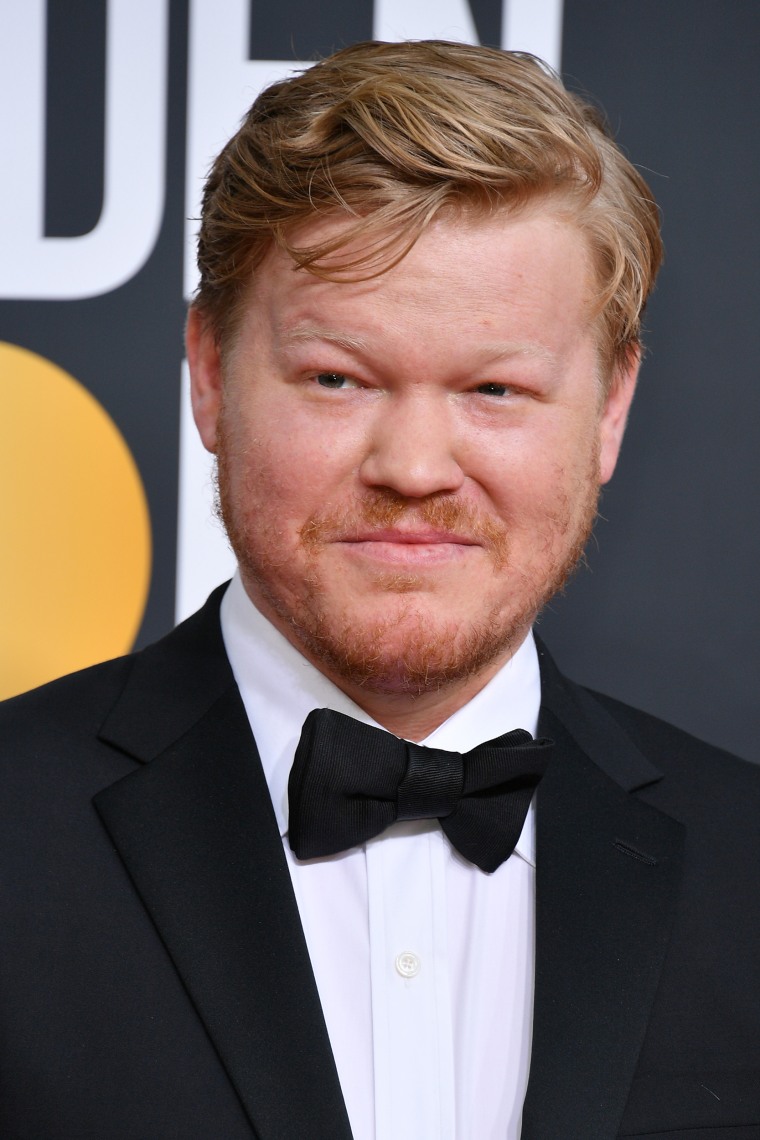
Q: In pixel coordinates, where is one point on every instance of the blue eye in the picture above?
(492, 389)
(332, 380)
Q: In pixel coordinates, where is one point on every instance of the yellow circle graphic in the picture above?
(75, 541)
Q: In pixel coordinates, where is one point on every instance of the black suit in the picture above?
(156, 982)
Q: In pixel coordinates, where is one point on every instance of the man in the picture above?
(413, 351)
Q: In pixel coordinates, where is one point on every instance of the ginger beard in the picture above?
(404, 652)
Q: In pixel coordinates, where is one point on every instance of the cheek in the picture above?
(517, 468)
(544, 475)
(278, 478)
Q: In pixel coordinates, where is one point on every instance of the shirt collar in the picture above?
(279, 688)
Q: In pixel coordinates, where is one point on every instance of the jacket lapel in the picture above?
(608, 872)
(196, 831)
(197, 834)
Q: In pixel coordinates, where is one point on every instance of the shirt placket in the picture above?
(411, 995)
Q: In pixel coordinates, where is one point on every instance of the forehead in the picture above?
(506, 274)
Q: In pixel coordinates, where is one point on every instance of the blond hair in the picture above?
(389, 135)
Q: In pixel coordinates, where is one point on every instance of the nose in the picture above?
(411, 449)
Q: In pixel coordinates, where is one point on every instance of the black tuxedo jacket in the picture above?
(155, 979)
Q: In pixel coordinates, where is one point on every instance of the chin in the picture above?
(406, 653)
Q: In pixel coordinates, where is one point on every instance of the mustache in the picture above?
(383, 509)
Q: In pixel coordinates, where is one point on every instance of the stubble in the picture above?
(404, 652)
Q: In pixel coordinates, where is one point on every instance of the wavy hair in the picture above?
(390, 135)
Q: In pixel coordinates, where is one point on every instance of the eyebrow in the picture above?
(489, 353)
(494, 352)
(301, 333)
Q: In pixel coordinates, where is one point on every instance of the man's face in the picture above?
(409, 466)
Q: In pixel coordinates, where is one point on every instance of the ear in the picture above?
(615, 414)
(205, 376)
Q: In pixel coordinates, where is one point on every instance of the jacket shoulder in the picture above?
(76, 705)
(704, 786)
(76, 702)
(673, 745)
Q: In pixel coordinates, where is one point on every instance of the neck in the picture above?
(413, 716)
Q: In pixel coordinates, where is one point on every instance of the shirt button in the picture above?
(407, 964)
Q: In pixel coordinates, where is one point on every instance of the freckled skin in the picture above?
(409, 466)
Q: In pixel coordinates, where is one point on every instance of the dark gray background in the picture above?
(669, 618)
(667, 615)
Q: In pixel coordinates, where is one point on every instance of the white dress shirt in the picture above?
(424, 964)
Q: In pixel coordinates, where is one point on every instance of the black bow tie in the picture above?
(350, 781)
